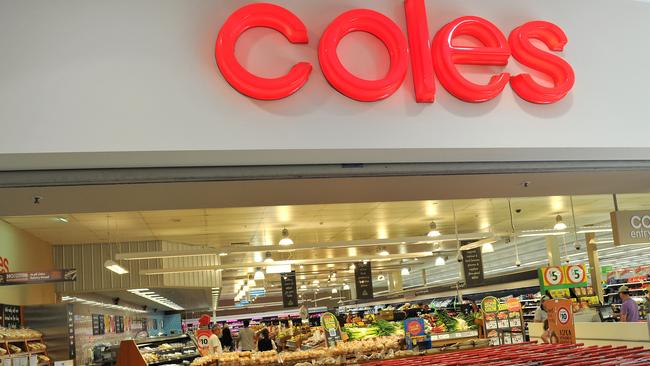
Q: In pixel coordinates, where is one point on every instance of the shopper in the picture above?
(541, 312)
(226, 338)
(214, 344)
(246, 337)
(265, 343)
(629, 308)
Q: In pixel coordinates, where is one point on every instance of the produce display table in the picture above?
(442, 339)
(531, 354)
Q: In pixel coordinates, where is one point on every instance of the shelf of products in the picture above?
(636, 285)
(23, 342)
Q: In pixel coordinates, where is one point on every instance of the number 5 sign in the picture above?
(553, 276)
(562, 277)
(576, 274)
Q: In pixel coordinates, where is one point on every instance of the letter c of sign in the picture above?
(635, 221)
(268, 16)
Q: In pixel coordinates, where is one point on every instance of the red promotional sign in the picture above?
(203, 340)
(441, 55)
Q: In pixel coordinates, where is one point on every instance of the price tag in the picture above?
(553, 276)
(332, 332)
(563, 315)
(444, 336)
(576, 274)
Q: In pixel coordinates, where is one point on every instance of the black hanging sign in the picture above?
(473, 267)
(363, 281)
(289, 290)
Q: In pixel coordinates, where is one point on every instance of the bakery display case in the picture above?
(25, 344)
(170, 351)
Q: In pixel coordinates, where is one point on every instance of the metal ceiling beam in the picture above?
(157, 271)
(75, 177)
(295, 247)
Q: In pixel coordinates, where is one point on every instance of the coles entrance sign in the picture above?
(429, 59)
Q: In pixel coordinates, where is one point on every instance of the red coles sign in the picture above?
(4, 265)
(428, 59)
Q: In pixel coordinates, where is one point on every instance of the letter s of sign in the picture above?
(552, 65)
(4, 265)
(380, 26)
(269, 16)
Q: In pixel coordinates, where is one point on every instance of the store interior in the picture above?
(154, 272)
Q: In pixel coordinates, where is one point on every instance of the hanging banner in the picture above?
(27, 278)
(630, 227)
(562, 277)
(473, 267)
(363, 281)
(332, 328)
(289, 289)
(560, 321)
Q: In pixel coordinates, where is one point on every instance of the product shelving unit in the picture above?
(636, 292)
(23, 344)
(134, 353)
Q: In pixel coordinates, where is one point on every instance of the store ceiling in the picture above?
(221, 227)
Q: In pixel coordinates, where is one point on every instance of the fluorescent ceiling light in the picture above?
(433, 232)
(559, 224)
(278, 268)
(223, 254)
(145, 293)
(113, 266)
(534, 233)
(286, 240)
(594, 229)
(62, 219)
(440, 261)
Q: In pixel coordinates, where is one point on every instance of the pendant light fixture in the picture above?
(346, 287)
(352, 267)
(259, 275)
(335, 290)
(440, 261)
(383, 252)
(268, 258)
(405, 271)
(251, 282)
(487, 248)
(559, 224)
(433, 230)
(286, 240)
(303, 286)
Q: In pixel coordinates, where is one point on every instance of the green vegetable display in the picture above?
(384, 328)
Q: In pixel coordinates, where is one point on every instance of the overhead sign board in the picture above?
(473, 267)
(289, 289)
(27, 278)
(630, 227)
(363, 280)
(562, 277)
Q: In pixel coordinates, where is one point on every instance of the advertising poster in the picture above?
(560, 321)
(332, 328)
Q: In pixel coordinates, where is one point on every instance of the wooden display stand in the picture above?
(130, 355)
(23, 343)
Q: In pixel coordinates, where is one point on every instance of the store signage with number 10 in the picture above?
(558, 277)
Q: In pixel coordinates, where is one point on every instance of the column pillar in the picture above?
(594, 266)
(553, 251)
(395, 282)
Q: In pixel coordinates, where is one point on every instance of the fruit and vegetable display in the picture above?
(442, 321)
(377, 329)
